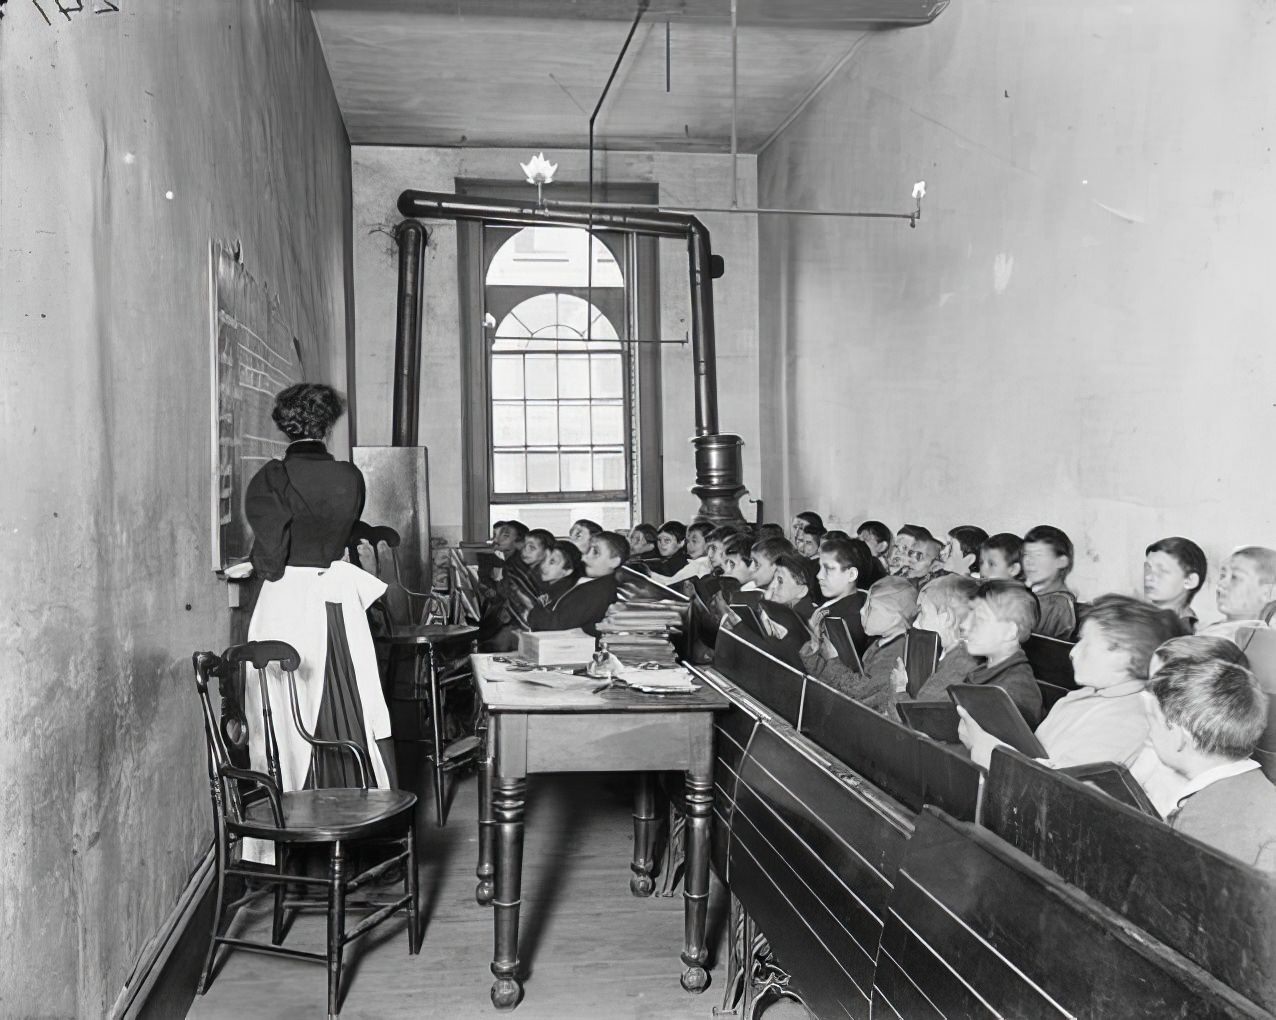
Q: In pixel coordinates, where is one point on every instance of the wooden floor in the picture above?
(589, 948)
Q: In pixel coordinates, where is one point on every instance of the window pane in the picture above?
(605, 372)
(542, 472)
(608, 425)
(573, 375)
(509, 473)
(576, 473)
(574, 422)
(507, 425)
(542, 425)
(507, 378)
(542, 376)
(609, 471)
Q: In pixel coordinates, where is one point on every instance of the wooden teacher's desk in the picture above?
(534, 728)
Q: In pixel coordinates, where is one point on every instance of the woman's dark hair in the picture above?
(307, 410)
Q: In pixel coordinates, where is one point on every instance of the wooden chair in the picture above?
(441, 665)
(336, 818)
(404, 605)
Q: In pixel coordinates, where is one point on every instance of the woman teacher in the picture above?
(302, 509)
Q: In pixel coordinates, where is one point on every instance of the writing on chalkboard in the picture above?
(254, 355)
(68, 7)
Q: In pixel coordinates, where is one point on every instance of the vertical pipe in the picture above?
(735, 67)
(411, 238)
(702, 336)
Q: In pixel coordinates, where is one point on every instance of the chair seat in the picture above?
(321, 816)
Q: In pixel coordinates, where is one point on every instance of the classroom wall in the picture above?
(107, 587)
(381, 173)
(1078, 330)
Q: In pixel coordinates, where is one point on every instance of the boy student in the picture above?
(888, 612)
(1246, 583)
(1160, 782)
(942, 607)
(1208, 718)
(897, 555)
(841, 562)
(642, 543)
(788, 584)
(1001, 557)
(763, 556)
(1002, 616)
(1047, 559)
(801, 522)
(923, 560)
(807, 542)
(697, 550)
(960, 554)
(583, 532)
(586, 603)
(671, 542)
(877, 536)
(1108, 717)
(771, 531)
(1173, 572)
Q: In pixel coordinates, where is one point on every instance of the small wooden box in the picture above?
(556, 647)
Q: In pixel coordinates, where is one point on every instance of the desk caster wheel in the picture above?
(642, 885)
(695, 980)
(506, 993)
(485, 892)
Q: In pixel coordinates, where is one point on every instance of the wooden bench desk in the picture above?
(540, 729)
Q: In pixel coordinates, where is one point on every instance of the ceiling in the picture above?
(529, 72)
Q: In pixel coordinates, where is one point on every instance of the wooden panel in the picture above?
(808, 13)
(770, 681)
(614, 743)
(732, 733)
(1212, 909)
(812, 856)
(977, 928)
(902, 762)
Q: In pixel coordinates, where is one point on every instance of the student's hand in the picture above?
(899, 677)
(977, 739)
(239, 571)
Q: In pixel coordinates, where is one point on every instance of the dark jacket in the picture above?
(582, 606)
(1015, 677)
(670, 566)
(302, 509)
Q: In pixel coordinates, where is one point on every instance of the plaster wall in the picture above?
(128, 142)
(1078, 331)
(380, 173)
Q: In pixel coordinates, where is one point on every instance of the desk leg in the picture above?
(696, 881)
(645, 821)
(509, 799)
(486, 830)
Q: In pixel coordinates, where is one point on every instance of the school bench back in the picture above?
(1051, 661)
(978, 929)
(900, 761)
(775, 684)
(812, 857)
(1213, 910)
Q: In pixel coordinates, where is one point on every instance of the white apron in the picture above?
(293, 609)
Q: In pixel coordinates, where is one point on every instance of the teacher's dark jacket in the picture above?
(302, 509)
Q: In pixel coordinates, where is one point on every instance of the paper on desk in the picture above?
(657, 681)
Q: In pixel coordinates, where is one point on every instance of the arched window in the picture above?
(559, 398)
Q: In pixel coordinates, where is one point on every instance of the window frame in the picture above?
(640, 268)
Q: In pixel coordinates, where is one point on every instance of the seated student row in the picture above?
(1216, 714)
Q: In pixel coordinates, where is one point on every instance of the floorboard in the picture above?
(589, 948)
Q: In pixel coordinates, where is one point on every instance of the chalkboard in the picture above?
(254, 356)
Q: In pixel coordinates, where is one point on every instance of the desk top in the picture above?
(517, 695)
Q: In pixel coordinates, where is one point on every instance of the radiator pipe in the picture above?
(719, 466)
(411, 239)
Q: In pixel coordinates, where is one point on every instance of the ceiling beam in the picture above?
(846, 14)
